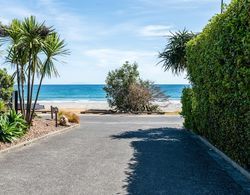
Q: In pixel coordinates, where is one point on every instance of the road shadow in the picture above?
(173, 161)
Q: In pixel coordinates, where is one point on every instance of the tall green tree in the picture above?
(16, 56)
(33, 35)
(33, 48)
(173, 56)
(52, 48)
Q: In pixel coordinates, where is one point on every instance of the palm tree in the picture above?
(174, 55)
(52, 48)
(30, 42)
(16, 56)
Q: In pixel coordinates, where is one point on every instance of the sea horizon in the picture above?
(93, 92)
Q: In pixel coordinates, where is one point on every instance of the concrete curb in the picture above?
(225, 157)
(25, 143)
(234, 170)
(221, 154)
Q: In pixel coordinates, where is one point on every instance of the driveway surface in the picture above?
(119, 155)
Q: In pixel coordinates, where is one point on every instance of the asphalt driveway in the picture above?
(119, 155)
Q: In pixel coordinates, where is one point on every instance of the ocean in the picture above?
(89, 92)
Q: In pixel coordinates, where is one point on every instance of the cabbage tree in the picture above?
(33, 48)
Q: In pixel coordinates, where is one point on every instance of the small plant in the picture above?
(72, 117)
(12, 126)
(3, 107)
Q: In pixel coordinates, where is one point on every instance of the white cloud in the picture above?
(4, 20)
(72, 27)
(114, 58)
(107, 59)
(131, 30)
(178, 4)
(155, 30)
(9, 12)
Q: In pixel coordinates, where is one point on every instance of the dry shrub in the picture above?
(72, 117)
(139, 98)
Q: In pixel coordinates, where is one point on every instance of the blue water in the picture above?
(92, 92)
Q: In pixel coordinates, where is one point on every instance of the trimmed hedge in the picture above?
(187, 102)
(219, 70)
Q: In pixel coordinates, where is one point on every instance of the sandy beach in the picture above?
(78, 106)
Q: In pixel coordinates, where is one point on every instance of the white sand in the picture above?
(170, 106)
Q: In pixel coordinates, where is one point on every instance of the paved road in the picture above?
(119, 155)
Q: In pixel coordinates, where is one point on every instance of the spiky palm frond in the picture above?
(174, 55)
(53, 48)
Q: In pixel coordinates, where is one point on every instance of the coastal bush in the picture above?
(12, 126)
(72, 117)
(127, 92)
(218, 65)
(6, 86)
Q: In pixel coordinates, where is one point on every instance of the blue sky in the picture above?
(102, 34)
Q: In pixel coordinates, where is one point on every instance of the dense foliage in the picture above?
(32, 50)
(127, 92)
(12, 126)
(188, 102)
(6, 86)
(174, 55)
(219, 70)
(3, 107)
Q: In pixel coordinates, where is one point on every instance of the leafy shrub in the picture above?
(72, 117)
(12, 126)
(6, 85)
(126, 92)
(3, 107)
(218, 68)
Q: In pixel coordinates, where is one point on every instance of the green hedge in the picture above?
(219, 70)
(187, 108)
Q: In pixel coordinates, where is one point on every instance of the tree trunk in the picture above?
(27, 117)
(31, 94)
(18, 86)
(28, 96)
(37, 95)
(22, 86)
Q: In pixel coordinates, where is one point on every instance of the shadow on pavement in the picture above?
(172, 161)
